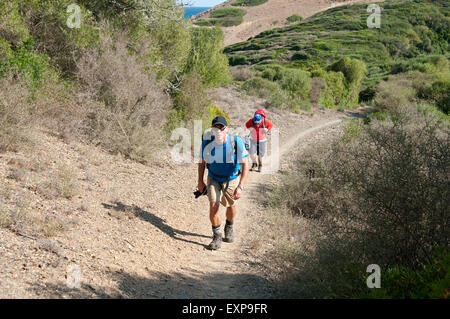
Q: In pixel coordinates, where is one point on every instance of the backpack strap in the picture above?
(234, 147)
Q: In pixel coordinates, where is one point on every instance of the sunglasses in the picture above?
(217, 128)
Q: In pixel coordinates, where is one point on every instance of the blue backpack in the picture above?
(234, 146)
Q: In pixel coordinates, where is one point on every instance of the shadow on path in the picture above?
(161, 285)
(156, 221)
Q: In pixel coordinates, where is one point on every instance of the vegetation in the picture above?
(294, 18)
(378, 196)
(223, 17)
(411, 30)
(206, 57)
(106, 82)
(248, 3)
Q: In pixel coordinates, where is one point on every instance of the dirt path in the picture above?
(136, 231)
(227, 263)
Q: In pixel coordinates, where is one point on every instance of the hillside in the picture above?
(410, 31)
(134, 231)
(94, 204)
(269, 15)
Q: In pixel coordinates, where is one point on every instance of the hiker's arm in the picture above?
(201, 172)
(245, 169)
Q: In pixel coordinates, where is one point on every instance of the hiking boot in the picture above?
(254, 165)
(229, 238)
(216, 242)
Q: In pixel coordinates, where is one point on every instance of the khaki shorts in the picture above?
(216, 191)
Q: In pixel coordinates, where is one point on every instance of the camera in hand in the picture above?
(197, 193)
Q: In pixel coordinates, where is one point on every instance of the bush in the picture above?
(335, 92)
(223, 17)
(439, 93)
(297, 83)
(354, 72)
(241, 73)
(269, 74)
(429, 281)
(237, 60)
(248, 3)
(227, 12)
(191, 103)
(206, 57)
(379, 196)
(15, 115)
(294, 18)
(265, 89)
(124, 105)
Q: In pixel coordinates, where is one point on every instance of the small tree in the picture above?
(206, 57)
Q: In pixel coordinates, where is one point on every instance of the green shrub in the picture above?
(206, 22)
(32, 66)
(248, 3)
(335, 92)
(439, 93)
(227, 12)
(379, 195)
(429, 281)
(294, 18)
(265, 89)
(206, 57)
(214, 111)
(353, 70)
(223, 18)
(191, 103)
(237, 60)
(300, 56)
(269, 74)
(297, 83)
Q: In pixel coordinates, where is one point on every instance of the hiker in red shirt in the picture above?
(259, 125)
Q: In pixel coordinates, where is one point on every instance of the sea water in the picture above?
(190, 11)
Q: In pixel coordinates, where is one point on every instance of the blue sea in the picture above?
(190, 11)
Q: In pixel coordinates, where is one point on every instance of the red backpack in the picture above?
(263, 114)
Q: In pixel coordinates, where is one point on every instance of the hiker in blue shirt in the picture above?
(225, 157)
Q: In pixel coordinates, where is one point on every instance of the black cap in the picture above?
(219, 120)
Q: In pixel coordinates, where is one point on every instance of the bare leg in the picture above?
(231, 213)
(260, 160)
(214, 216)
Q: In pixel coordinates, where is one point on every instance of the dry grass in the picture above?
(15, 115)
(62, 182)
(379, 195)
(124, 104)
(241, 73)
(20, 218)
(5, 217)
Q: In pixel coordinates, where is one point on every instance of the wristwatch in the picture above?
(241, 187)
